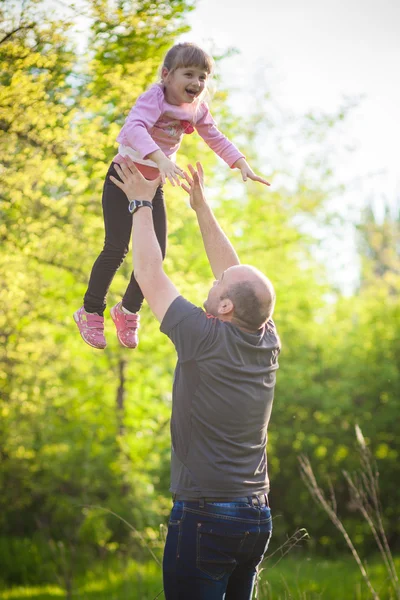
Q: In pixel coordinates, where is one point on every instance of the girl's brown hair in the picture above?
(187, 55)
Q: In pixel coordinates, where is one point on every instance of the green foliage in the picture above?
(82, 430)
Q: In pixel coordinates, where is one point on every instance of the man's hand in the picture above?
(135, 186)
(195, 187)
(247, 172)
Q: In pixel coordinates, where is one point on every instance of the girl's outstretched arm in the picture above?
(247, 171)
(218, 142)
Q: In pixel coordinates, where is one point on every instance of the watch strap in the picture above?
(134, 205)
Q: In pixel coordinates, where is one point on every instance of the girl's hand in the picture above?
(247, 172)
(170, 170)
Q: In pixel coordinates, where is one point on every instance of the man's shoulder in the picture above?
(191, 330)
(180, 310)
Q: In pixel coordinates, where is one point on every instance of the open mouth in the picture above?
(192, 93)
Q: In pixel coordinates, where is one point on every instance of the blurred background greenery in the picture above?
(84, 435)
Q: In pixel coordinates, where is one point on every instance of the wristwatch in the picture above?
(134, 205)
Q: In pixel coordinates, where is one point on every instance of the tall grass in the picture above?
(296, 577)
(364, 490)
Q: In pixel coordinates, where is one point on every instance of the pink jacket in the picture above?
(153, 124)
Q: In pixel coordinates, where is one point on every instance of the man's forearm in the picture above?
(220, 252)
(147, 258)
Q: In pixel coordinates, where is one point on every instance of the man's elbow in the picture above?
(147, 278)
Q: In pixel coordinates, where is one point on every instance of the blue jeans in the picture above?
(213, 550)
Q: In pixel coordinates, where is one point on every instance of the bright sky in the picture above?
(314, 54)
(319, 51)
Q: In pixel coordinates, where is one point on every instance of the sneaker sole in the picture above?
(119, 339)
(86, 342)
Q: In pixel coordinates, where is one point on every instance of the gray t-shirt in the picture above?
(221, 404)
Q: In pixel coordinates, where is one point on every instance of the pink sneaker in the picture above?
(91, 328)
(127, 326)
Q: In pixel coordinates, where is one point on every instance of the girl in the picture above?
(151, 135)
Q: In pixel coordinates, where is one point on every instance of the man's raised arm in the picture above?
(220, 252)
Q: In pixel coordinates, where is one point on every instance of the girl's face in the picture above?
(184, 84)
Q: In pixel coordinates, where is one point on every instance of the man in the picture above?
(220, 522)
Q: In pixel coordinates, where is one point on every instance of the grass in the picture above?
(313, 578)
(303, 578)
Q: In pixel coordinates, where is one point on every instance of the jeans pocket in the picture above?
(218, 545)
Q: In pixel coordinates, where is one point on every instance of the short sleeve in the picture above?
(189, 328)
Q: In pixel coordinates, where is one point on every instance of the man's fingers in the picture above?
(131, 166)
(192, 170)
(124, 170)
(116, 181)
(200, 170)
(128, 167)
(197, 175)
(188, 179)
(120, 171)
(185, 187)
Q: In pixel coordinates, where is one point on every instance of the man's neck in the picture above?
(242, 326)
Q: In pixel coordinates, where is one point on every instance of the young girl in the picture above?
(151, 135)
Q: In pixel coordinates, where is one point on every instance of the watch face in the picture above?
(132, 206)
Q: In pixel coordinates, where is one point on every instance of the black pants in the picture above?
(118, 227)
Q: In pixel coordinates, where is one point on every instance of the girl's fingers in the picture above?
(259, 179)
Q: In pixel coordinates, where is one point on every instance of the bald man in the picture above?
(220, 523)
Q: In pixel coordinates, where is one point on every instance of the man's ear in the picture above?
(225, 306)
